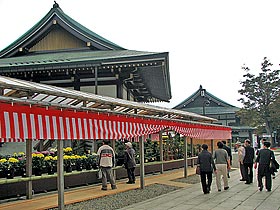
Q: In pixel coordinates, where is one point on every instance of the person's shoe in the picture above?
(260, 188)
(129, 182)
(228, 176)
(226, 188)
(242, 180)
(269, 190)
(219, 190)
(103, 188)
(114, 187)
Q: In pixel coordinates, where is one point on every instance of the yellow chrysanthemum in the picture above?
(3, 160)
(13, 160)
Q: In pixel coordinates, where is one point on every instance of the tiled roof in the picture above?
(75, 56)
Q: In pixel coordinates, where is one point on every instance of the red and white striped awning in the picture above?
(20, 122)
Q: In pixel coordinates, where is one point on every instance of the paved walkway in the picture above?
(239, 197)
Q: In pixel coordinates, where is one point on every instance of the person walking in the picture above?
(241, 155)
(228, 149)
(206, 163)
(129, 162)
(262, 162)
(222, 164)
(106, 160)
(248, 161)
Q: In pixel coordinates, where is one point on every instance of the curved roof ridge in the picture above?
(207, 94)
(56, 10)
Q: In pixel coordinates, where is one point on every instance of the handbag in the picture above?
(99, 174)
(197, 171)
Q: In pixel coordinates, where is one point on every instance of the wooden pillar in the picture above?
(60, 175)
(191, 145)
(230, 144)
(142, 162)
(113, 143)
(185, 157)
(41, 145)
(77, 85)
(161, 152)
(96, 80)
(29, 168)
(212, 146)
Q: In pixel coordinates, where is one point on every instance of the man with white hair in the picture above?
(241, 155)
(129, 162)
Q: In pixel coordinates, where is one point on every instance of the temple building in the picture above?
(204, 103)
(61, 52)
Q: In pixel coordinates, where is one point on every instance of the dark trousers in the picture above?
(130, 174)
(248, 168)
(242, 171)
(206, 184)
(263, 171)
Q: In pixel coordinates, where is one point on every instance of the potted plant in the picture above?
(3, 165)
(90, 161)
(50, 163)
(79, 162)
(8, 167)
(68, 162)
(38, 163)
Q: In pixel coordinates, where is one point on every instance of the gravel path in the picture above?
(127, 198)
(123, 199)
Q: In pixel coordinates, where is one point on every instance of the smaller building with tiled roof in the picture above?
(204, 103)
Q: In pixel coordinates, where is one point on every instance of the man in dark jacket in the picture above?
(129, 162)
(248, 161)
(206, 163)
(228, 149)
(264, 157)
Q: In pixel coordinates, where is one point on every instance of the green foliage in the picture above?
(259, 96)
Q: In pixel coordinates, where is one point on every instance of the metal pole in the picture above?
(29, 168)
(185, 157)
(161, 152)
(142, 162)
(60, 175)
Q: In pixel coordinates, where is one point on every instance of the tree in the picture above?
(260, 96)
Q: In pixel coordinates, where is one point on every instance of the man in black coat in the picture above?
(248, 161)
(206, 163)
(264, 157)
(225, 147)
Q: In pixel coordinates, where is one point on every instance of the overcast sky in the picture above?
(208, 41)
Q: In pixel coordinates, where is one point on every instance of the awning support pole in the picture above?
(113, 143)
(29, 168)
(185, 157)
(161, 152)
(60, 175)
(142, 162)
(192, 162)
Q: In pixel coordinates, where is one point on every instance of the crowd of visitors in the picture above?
(220, 162)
